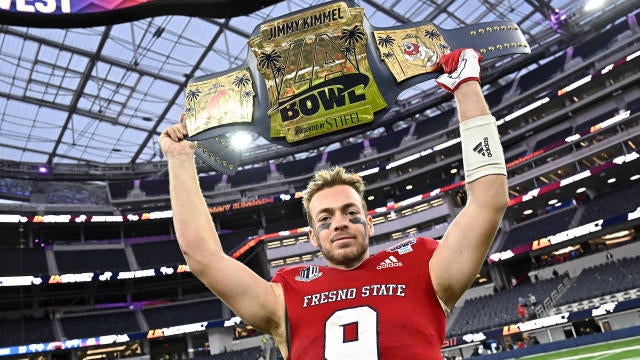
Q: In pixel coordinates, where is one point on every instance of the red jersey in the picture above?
(385, 308)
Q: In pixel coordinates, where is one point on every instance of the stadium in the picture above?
(90, 264)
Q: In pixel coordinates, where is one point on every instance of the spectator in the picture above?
(522, 312)
(522, 301)
(534, 340)
(508, 345)
(476, 351)
(532, 299)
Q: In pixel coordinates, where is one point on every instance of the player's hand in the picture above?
(172, 140)
(459, 66)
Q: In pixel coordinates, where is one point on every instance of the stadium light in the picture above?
(368, 172)
(616, 235)
(103, 350)
(592, 5)
(241, 140)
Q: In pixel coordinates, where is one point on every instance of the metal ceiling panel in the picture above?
(102, 95)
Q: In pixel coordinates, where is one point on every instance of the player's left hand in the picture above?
(459, 66)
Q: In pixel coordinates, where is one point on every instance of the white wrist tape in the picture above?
(482, 153)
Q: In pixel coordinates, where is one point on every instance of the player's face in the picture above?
(340, 228)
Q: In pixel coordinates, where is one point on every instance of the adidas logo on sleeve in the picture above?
(483, 148)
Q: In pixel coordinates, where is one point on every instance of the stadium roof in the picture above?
(97, 98)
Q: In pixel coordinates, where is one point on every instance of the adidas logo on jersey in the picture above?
(389, 262)
(483, 148)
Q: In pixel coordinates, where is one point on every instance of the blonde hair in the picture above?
(327, 178)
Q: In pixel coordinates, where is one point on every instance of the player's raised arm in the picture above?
(256, 301)
(464, 246)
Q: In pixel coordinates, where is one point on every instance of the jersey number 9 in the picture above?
(352, 334)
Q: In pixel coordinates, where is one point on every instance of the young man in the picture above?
(387, 306)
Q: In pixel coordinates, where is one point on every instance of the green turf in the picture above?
(628, 349)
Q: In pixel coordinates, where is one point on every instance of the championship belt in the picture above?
(323, 70)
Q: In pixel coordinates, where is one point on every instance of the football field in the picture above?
(628, 349)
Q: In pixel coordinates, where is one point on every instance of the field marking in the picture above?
(602, 353)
